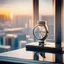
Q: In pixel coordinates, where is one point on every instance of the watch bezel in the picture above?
(46, 32)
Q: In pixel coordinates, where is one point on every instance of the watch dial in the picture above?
(39, 32)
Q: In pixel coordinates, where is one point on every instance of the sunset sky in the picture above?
(24, 7)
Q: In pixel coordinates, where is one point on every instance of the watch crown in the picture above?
(41, 23)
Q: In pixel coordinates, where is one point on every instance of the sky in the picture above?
(45, 7)
(24, 7)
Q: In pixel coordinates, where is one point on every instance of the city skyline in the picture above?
(26, 22)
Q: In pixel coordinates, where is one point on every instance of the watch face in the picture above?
(39, 32)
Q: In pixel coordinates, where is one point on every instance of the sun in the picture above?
(6, 12)
(11, 15)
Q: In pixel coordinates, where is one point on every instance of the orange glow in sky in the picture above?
(14, 11)
(25, 7)
(21, 11)
(5, 11)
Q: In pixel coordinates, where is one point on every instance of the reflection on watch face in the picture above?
(39, 32)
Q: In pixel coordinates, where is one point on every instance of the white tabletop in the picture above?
(21, 55)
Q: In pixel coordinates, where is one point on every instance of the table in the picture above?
(48, 47)
(22, 56)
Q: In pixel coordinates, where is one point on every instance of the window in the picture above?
(46, 13)
(63, 22)
(16, 21)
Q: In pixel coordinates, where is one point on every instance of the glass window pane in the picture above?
(16, 22)
(62, 22)
(46, 13)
